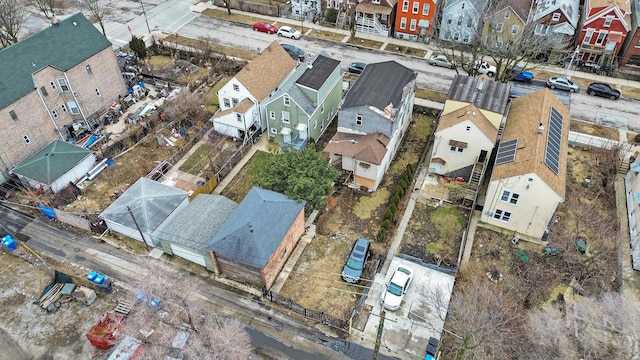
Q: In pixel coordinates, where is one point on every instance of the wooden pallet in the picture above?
(123, 307)
(51, 296)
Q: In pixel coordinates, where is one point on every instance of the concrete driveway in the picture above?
(407, 330)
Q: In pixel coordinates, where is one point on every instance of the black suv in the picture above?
(604, 90)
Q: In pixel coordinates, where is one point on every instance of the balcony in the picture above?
(370, 25)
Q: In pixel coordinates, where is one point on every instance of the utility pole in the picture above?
(376, 348)
(137, 226)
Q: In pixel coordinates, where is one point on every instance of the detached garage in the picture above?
(189, 232)
(55, 166)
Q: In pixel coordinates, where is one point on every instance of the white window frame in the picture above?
(239, 117)
(510, 197)
(53, 85)
(412, 26)
(405, 6)
(403, 23)
(515, 29)
(286, 100)
(502, 215)
(608, 20)
(63, 84)
(272, 115)
(555, 17)
(286, 119)
(64, 107)
(26, 139)
(315, 123)
(359, 119)
(415, 8)
(54, 114)
(530, 180)
(236, 87)
(234, 102)
(98, 93)
(73, 107)
(456, 149)
(497, 27)
(507, 14)
(226, 102)
(425, 9)
(601, 36)
(274, 130)
(588, 36)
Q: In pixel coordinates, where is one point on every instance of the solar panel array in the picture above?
(554, 138)
(506, 151)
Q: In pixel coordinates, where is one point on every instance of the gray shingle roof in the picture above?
(62, 46)
(485, 94)
(379, 85)
(53, 161)
(198, 222)
(257, 226)
(321, 68)
(151, 203)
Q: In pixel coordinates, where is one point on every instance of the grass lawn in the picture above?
(244, 180)
(198, 160)
(241, 18)
(594, 130)
(217, 48)
(630, 92)
(431, 95)
(399, 49)
(365, 42)
(326, 35)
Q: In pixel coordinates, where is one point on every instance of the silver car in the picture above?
(441, 60)
(562, 83)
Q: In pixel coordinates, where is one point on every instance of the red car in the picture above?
(265, 27)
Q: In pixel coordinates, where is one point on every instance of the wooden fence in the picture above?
(315, 315)
(252, 7)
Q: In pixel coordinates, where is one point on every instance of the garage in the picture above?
(187, 254)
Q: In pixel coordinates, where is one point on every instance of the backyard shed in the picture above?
(143, 208)
(181, 238)
(55, 166)
(258, 237)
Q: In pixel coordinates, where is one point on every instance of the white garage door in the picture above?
(188, 254)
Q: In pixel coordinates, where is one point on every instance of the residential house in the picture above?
(557, 19)
(605, 27)
(372, 121)
(305, 103)
(629, 56)
(55, 166)
(240, 115)
(490, 97)
(415, 19)
(632, 187)
(375, 17)
(258, 237)
(461, 20)
(306, 9)
(141, 210)
(48, 94)
(507, 23)
(190, 231)
(528, 178)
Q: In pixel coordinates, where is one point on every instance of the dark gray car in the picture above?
(353, 269)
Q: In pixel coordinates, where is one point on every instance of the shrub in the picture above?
(637, 138)
(331, 16)
(388, 215)
(395, 200)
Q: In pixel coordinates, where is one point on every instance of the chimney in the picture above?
(540, 128)
(309, 65)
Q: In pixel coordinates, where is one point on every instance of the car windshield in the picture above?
(355, 263)
(394, 289)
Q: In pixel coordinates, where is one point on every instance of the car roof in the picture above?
(362, 242)
(400, 276)
(284, 27)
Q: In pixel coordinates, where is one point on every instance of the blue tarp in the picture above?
(48, 212)
(91, 140)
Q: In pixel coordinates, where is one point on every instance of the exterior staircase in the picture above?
(467, 196)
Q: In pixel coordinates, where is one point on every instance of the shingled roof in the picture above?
(483, 93)
(257, 226)
(369, 148)
(62, 46)
(265, 72)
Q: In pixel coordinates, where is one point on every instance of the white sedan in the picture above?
(396, 288)
(289, 32)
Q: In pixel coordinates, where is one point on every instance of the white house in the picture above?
(462, 138)
(240, 115)
(461, 20)
(529, 174)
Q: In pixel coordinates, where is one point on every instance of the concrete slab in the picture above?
(421, 314)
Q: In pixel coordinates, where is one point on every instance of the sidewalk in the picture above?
(430, 49)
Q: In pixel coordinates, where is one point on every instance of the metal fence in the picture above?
(315, 315)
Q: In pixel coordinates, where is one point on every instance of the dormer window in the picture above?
(287, 101)
(359, 120)
(555, 17)
(608, 21)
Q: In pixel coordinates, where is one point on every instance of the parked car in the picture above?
(483, 67)
(441, 60)
(562, 83)
(517, 73)
(604, 90)
(396, 288)
(295, 52)
(289, 32)
(265, 27)
(354, 268)
(357, 67)
(432, 349)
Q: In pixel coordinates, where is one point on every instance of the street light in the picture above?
(146, 21)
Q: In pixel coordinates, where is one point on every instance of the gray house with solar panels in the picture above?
(528, 179)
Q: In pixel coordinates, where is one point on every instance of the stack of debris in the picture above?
(104, 333)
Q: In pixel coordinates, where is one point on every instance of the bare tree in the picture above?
(12, 17)
(45, 7)
(99, 10)
(606, 327)
(185, 109)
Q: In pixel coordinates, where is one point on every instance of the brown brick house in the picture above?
(52, 84)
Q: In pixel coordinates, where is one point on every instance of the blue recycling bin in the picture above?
(9, 243)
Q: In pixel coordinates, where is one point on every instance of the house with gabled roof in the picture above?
(54, 166)
(305, 103)
(375, 17)
(142, 209)
(604, 29)
(258, 237)
(508, 22)
(559, 20)
(183, 238)
(528, 178)
(55, 84)
(463, 138)
(240, 115)
(490, 97)
(629, 59)
(461, 20)
(372, 120)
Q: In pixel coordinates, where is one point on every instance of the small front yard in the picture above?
(326, 35)
(372, 44)
(406, 50)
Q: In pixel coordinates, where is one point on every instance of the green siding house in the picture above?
(304, 104)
